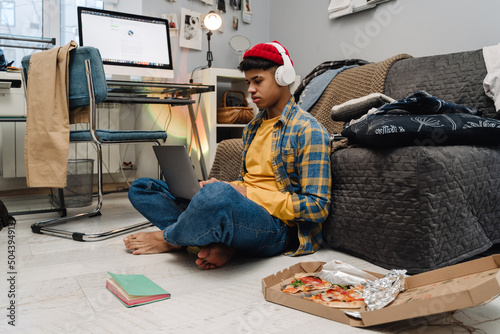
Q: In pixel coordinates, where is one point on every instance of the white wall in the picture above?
(417, 27)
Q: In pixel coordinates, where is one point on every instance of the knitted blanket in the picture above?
(350, 84)
(322, 68)
(227, 161)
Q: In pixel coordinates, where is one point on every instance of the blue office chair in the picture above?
(87, 87)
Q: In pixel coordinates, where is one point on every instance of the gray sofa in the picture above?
(414, 207)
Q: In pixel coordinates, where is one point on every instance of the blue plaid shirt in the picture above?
(300, 157)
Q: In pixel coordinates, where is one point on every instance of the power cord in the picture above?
(196, 68)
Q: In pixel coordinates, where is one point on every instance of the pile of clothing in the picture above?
(422, 119)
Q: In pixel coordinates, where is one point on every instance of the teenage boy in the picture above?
(282, 195)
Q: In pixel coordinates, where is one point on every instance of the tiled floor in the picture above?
(60, 288)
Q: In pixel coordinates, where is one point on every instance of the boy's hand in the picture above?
(242, 190)
(212, 180)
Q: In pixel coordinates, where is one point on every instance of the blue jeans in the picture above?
(218, 213)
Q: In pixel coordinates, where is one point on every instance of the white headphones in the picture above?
(285, 74)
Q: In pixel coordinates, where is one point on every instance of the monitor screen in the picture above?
(131, 45)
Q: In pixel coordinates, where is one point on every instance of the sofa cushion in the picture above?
(434, 130)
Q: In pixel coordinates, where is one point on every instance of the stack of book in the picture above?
(135, 290)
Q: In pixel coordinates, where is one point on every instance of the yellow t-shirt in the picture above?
(260, 180)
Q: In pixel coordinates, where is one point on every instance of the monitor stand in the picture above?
(120, 77)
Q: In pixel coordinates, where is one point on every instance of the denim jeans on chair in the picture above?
(217, 214)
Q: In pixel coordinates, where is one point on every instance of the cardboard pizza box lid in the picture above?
(447, 289)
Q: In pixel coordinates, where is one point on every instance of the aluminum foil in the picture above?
(338, 272)
(381, 292)
(377, 292)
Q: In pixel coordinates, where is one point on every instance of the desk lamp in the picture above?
(212, 21)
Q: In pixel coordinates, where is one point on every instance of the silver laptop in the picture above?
(177, 170)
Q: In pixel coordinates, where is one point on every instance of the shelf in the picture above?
(223, 125)
(222, 79)
(224, 133)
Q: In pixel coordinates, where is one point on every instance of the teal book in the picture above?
(135, 290)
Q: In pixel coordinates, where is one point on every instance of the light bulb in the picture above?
(212, 21)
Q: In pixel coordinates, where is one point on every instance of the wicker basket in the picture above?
(234, 114)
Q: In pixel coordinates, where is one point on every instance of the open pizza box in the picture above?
(447, 289)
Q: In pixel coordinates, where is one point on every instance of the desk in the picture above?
(174, 94)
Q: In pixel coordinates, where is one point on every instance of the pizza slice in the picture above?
(340, 296)
(304, 282)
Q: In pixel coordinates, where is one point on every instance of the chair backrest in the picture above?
(78, 89)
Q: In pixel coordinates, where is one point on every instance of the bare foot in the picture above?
(148, 243)
(214, 255)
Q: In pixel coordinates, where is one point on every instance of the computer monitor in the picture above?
(130, 45)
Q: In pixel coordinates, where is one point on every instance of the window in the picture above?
(21, 18)
(39, 18)
(7, 13)
(69, 21)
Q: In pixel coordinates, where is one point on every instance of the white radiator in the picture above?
(13, 149)
(13, 145)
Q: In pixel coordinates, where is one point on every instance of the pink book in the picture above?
(135, 290)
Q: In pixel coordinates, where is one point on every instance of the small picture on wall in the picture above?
(173, 26)
(221, 5)
(235, 23)
(236, 4)
(246, 11)
(190, 34)
(247, 7)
